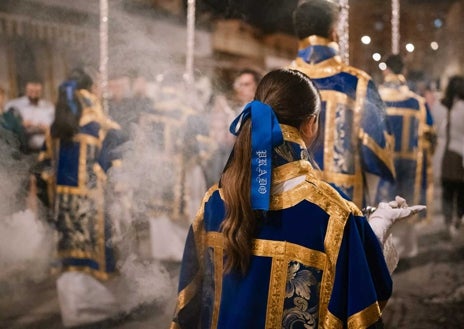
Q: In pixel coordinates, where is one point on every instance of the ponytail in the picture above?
(68, 112)
(240, 223)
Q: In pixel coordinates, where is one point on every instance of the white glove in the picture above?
(386, 214)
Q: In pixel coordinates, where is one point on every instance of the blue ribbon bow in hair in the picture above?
(70, 88)
(265, 135)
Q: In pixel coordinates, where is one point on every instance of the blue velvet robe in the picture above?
(354, 137)
(76, 175)
(316, 262)
(413, 128)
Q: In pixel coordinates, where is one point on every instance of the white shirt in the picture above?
(457, 127)
(41, 114)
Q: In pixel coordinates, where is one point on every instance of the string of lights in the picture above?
(343, 31)
(395, 25)
(104, 53)
(190, 40)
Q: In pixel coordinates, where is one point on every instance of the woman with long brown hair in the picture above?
(80, 149)
(273, 246)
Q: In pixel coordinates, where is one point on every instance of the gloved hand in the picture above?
(387, 213)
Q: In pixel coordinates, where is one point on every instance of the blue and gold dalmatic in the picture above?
(414, 132)
(315, 261)
(76, 189)
(354, 134)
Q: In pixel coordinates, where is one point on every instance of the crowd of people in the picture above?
(315, 178)
(73, 150)
(281, 241)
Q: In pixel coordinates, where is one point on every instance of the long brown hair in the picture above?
(294, 99)
(66, 123)
(454, 90)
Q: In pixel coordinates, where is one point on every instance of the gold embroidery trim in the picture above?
(174, 325)
(281, 253)
(94, 112)
(76, 254)
(87, 139)
(402, 111)
(82, 169)
(322, 69)
(365, 317)
(337, 98)
(331, 322)
(395, 78)
(383, 155)
(116, 163)
(315, 40)
(306, 256)
(395, 94)
(292, 134)
(331, 173)
(361, 91)
(271, 248)
(185, 295)
(421, 154)
(218, 272)
(339, 210)
(289, 198)
(275, 300)
(64, 189)
(290, 170)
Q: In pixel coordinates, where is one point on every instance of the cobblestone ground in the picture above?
(429, 288)
(34, 305)
(428, 293)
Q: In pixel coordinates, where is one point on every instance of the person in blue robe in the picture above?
(413, 128)
(354, 150)
(274, 246)
(82, 145)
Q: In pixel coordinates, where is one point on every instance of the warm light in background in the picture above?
(434, 45)
(376, 57)
(409, 47)
(366, 39)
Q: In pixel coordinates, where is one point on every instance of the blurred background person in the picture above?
(223, 111)
(439, 113)
(412, 124)
(29, 118)
(141, 102)
(12, 122)
(244, 87)
(452, 172)
(119, 106)
(221, 140)
(35, 112)
(356, 142)
(128, 101)
(79, 151)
